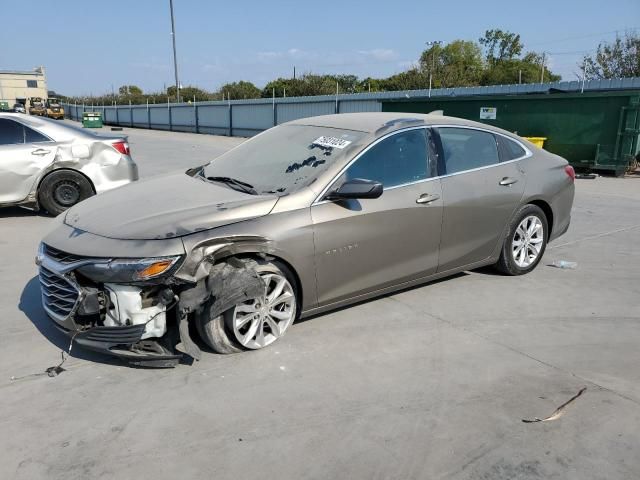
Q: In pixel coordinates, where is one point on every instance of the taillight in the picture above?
(571, 173)
(122, 147)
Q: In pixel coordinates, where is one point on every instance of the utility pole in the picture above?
(175, 59)
(432, 44)
(519, 77)
(542, 68)
(584, 74)
(294, 72)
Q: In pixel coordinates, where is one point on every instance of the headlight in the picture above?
(129, 269)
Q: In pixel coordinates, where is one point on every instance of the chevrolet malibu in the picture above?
(49, 165)
(308, 216)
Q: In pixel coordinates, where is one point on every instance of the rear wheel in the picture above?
(257, 322)
(62, 189)
(525, 242)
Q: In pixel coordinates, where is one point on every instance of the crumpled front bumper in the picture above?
(117, 341)
(64, 300)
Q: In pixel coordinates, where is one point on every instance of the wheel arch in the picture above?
(257, 255)
(65, 169)
(547, 210)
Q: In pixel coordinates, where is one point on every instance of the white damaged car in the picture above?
(52, 165)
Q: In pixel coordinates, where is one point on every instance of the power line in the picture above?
(592, 35)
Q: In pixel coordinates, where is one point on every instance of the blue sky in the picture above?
(87, 46)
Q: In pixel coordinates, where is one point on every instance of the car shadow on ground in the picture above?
(31, 306)
(407, 289)
(14, 212)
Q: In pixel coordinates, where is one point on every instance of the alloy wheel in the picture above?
(261, 321)
(527, 242)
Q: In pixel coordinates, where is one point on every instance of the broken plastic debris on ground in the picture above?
(564, 264)
(558, 411)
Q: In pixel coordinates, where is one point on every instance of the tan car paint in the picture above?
(345, 253)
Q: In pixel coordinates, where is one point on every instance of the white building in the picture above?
(19, 87)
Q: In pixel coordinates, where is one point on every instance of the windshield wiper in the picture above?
(235, 184)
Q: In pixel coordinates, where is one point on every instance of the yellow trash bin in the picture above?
(537, 141)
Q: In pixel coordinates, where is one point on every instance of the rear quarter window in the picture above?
(509, 149)
(32, 136)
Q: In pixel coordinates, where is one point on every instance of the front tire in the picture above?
(62, 189)
(525, 241)
(258, 322)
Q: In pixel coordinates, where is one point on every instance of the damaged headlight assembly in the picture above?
(130, 270)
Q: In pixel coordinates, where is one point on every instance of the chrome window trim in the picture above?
(528, 153)
(318, 200)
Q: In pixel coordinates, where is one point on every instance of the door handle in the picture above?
(40, 151)
(427, 198)
(508, 181)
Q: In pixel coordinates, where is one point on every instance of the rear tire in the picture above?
(62, 189)
(525, 241)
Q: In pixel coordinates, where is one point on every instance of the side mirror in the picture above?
(356, 188)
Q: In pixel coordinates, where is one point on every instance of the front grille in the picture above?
(60, 256)
(59, 296)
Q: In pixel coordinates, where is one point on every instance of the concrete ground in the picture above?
(429, 383)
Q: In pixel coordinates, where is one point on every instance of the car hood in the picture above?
(166, 206)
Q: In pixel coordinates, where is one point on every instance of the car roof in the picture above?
(58, 131)
(379, 123)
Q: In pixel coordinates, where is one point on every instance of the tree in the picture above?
(307, 84)
(187, 94)
(412, 79)
(457, 64)
(527, 69)
(501, 45)
(618, 59)
(240, 90)
(132, 90)
(504, 63)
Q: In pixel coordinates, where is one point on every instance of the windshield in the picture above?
(285, 158)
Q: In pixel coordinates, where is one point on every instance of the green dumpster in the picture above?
(92, 119)
(593, 130)
(4, 106)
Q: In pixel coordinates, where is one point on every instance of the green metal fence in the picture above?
(596, 131)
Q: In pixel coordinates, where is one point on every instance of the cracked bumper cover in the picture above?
(117, 341)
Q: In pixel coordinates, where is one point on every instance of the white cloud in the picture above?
(380, 54)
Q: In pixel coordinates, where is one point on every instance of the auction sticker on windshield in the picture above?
(332, 142)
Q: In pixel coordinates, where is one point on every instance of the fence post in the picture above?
(195, 114)
(169, 110)
(230, 118)
(148, 115)
(275, 113)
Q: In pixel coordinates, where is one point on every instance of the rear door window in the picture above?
(467, 149)
(11, 133)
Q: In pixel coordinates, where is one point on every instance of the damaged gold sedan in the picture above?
(52, 166)
(308, 216)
